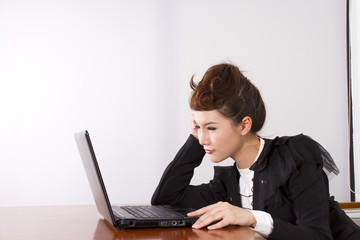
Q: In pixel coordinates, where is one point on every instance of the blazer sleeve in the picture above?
(307, 192)
(174, 188)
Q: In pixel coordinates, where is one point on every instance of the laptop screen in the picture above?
(94, 176)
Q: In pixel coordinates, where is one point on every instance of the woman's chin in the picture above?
(216, 160)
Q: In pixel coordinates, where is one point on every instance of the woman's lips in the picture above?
(209, 151)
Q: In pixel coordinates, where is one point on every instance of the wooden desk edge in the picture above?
(347, 205)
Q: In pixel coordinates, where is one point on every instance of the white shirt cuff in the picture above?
(264, 223)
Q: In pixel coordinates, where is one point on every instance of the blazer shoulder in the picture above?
(299, 139)
(300, 146)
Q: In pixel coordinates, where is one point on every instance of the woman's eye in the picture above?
(211, 128)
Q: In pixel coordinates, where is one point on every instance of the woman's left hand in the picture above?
(224, 214)
(193, 127)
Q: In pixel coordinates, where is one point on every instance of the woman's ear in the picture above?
(245, 125)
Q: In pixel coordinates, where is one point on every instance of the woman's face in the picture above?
(220, 138)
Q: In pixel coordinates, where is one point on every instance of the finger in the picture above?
(193, 127)
(201, 211)
(192, 121)
(213, 207)
(192, 124)
(195, 213)
(200, 223)
(207, 219)
(218, 225)
(193, 118)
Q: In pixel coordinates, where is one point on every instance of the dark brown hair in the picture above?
(227, 90)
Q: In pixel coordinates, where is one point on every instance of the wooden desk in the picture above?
(84, 223)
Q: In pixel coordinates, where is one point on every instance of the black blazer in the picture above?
(289, 184)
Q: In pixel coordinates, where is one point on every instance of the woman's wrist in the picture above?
(253, 221)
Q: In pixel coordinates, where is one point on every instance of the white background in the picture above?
(121, 70)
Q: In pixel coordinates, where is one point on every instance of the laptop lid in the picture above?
(94, 175)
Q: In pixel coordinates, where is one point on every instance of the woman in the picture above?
(276, 186)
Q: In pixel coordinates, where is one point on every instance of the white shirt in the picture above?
(264, 221)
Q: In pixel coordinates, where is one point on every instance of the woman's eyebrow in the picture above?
(208, 123)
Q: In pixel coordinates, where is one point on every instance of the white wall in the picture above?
(121, 70)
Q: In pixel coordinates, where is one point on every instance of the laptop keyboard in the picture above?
(150, 212)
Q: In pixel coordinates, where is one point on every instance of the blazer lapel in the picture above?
(234, 190)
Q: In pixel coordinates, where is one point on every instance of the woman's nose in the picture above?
(203, 138)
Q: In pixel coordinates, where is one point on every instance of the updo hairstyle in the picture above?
(227, 90)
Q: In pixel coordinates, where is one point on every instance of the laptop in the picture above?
(126, 217)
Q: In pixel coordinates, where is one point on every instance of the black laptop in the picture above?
(124, 217)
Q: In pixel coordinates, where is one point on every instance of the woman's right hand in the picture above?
(193, 127)
(223, 214)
